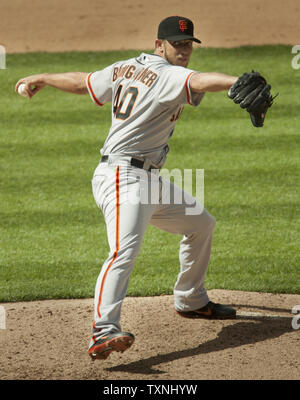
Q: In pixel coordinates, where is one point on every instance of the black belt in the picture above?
(134, 162)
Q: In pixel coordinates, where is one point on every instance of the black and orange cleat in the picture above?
(210, 311)
(115, 341)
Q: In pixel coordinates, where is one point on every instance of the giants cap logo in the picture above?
(183, 25)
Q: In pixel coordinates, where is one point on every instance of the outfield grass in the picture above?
(53, 238)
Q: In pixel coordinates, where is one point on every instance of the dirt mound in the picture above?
(49, 340)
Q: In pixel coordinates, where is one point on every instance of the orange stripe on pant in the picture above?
(117, 238)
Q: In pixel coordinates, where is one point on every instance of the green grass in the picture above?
(52, 236)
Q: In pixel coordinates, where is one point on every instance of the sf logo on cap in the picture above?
(183, 25)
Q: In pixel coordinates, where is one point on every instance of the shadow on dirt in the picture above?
(238, 334)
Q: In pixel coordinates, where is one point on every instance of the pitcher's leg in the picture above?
(194, 256)
(197, 226)
(126, 222)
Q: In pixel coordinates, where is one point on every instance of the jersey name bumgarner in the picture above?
(144, 75)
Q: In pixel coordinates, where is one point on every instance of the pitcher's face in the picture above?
(175, 52)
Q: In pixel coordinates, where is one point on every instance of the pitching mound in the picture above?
(49, 340)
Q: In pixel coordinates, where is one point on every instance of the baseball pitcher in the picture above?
(147, 95)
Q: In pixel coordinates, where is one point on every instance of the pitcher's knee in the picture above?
(208, 225)
(212, 223)
(203, 224)
(127, 254)
(208, 228)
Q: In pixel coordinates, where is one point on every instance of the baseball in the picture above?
(22, 90)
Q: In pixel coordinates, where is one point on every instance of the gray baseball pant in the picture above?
(120, 191)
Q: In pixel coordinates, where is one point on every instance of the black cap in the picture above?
(176, 28)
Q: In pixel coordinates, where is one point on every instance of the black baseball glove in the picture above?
(252, 92)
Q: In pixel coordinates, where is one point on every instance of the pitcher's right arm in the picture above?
(72, 82)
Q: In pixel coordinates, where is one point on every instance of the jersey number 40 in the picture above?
(123, 106)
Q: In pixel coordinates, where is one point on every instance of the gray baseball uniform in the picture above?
(147, 95)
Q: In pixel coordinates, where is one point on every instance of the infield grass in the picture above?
(53, 237)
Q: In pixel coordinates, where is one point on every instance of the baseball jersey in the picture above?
(147, 95)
